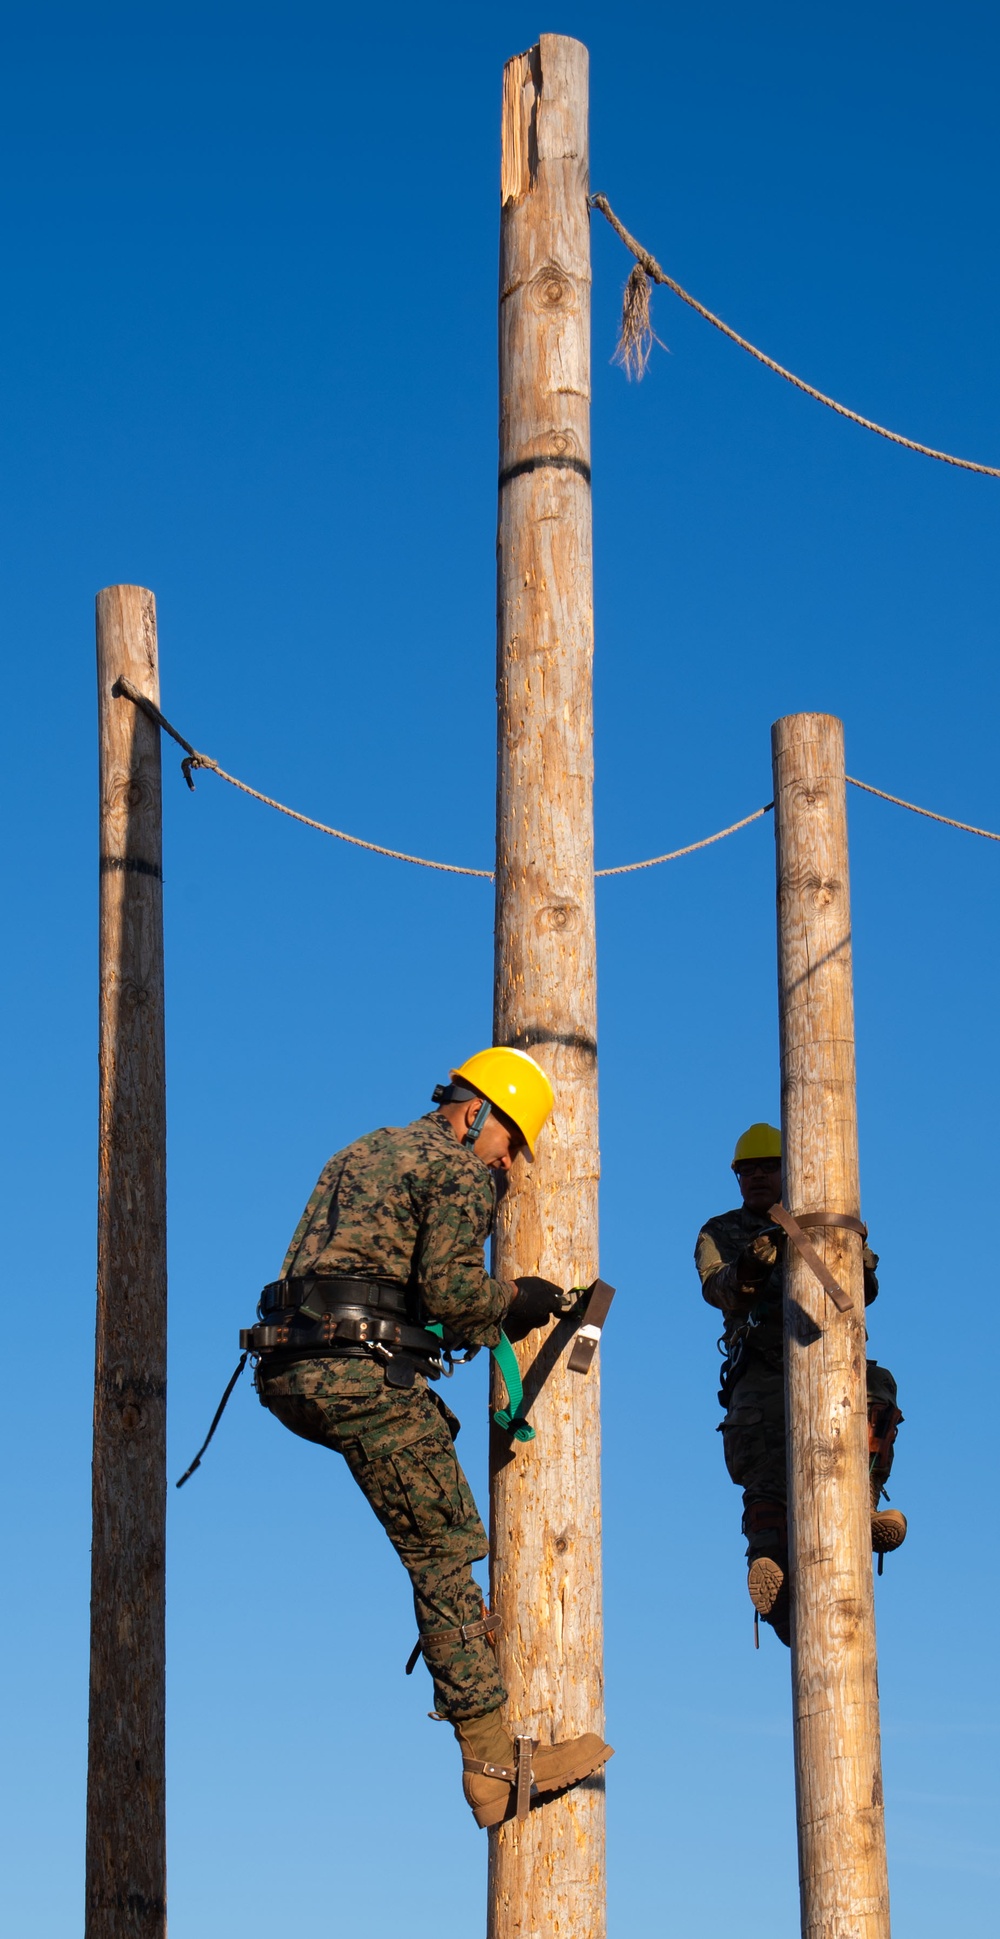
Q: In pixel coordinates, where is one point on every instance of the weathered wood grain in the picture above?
(547, 1876)
(842, 1863)
(126, 1845)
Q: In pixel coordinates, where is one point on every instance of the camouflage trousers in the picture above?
(398, 1444)
(753, 1439)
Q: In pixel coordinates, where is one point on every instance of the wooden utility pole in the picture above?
(126, 1841)
(547, 1875)
(838, 1769)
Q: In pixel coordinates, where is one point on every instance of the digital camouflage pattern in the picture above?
(411, 1205)
(753, 1434)
(752, 1316)
(398, 1445)
(753, 1431)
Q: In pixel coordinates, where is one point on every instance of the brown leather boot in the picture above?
(884, 1417)
(504, 1775)
(765, 1525)
(888, 1524)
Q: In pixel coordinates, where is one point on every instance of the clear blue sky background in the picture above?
(249, 361)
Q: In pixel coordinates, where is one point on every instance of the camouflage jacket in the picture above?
(750, 1312)
(415, 1206)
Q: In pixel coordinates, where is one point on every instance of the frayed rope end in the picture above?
(637, 336)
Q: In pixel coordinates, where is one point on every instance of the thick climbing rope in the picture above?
(629, 868)
(637, 339)
(124, 690)
(897, 800)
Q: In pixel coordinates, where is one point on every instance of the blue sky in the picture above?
(249, 361)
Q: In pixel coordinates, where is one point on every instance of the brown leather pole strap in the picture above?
(818, 1266)
(589, 1331)
(807, 1219)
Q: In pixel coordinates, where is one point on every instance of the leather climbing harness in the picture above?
(359, 1318)
(346, 1316)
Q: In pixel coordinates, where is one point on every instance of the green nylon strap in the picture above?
(510, 1418)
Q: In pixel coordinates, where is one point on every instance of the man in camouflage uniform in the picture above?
(739, 1257)
(390, 1243)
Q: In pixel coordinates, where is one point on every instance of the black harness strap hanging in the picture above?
(216, 1418)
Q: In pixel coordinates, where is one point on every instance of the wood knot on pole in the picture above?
(551, 290)
(561, 917)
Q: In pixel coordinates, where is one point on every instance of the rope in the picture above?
(966, 826)
(395, 854)
(629, 868)
(636, 333)
(124, 690)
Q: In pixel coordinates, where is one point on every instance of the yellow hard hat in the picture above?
(761, 1141)
(512, 1081)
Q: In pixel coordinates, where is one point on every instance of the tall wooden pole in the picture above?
(126, 1843)
(838, 1770)
(547, 1876)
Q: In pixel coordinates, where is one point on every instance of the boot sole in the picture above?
(765, 1581)
(496, 1812)
(888, 1532)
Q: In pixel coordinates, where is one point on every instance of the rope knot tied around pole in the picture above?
(196, 761)
(124, 690)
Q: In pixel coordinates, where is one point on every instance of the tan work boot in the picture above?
(503, 1775)
(884, 1417)
(765, 1525)
(767, 1582)
(888, 1524)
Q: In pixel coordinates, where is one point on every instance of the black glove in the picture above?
(760, 1256)
(537, 1301)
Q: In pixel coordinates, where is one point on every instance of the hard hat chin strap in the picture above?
(472, 1135)
(462, 1094)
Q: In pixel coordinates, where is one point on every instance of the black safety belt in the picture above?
(216, 1418)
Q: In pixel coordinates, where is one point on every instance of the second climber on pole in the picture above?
(740, 1259)
(383, 1277)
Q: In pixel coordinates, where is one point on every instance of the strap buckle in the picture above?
(525, 1747)
(488, 1624)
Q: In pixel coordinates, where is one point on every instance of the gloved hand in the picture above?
(567, 1305)
(537, 1301)
(760, 1256)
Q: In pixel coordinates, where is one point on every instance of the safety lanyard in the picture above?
(510, 1418)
